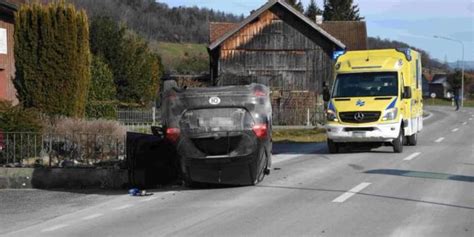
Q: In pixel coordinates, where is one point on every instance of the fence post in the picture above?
(8, 149)
(154, 115)
(308, 122)
(50, 150)
(14, 148)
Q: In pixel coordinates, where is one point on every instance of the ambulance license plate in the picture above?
(359, 134)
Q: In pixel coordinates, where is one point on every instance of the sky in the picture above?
(412, 21)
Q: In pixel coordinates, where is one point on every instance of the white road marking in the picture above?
(412, 156)
(439, 140)
(351, 192)
(148, 199)
(280, 158)
(455, 130)
(92, 216)
(56, 227)
(465, 123)
(123, 207)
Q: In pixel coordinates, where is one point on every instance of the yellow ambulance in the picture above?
(376, 100)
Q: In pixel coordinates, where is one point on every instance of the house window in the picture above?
(3, 41)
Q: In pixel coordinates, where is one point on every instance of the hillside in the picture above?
(182, 58)
(469, 65)
(157, 21)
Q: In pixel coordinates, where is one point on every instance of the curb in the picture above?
(430, 115)
(54, 178)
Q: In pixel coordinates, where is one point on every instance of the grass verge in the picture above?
(299, 135)
(182, 58)
(445, 102)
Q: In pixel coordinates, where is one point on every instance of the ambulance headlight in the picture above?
(331, 116)
(390, 114)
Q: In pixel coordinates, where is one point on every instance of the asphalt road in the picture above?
(426, 191)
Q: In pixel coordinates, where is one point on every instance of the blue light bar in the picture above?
(406, 51)
(337, 54)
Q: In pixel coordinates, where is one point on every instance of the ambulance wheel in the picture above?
(333, 147)
(413, 139)
(398, 142)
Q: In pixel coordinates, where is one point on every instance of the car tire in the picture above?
(413, 139)
(188, 182)
(398, 142)
(333, 147)
(262, 172)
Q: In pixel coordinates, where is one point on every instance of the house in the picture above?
(7, 59)
(281, 48)
(440, 86)
(425, 86)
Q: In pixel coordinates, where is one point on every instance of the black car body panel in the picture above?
(222, 135)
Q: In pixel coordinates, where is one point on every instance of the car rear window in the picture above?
(216, 120)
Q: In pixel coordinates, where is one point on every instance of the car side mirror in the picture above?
(406, 92)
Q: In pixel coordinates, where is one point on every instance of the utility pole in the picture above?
(462, 64)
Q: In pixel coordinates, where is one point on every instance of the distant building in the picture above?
(425, 86)
(440, 86)
(7, 59)
(283, 49)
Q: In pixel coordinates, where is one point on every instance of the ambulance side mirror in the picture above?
(406, 92)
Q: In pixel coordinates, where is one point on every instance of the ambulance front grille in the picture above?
(360, 116)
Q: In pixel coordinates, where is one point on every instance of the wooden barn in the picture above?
(7, 59)
(279, 47)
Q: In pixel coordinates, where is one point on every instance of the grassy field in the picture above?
(299, 135)
(182, 58)
(443, 102)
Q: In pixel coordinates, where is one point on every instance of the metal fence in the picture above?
(299, 117)
(139, 116)
(57, 150)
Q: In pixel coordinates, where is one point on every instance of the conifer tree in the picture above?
(52, 58)
(136, 70)
(101, 101)
(341, 10)
(313, 10)
(296, 4)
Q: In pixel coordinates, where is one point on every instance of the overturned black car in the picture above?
(222, 134)
(218, 135)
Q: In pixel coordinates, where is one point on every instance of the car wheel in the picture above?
(398, 142)
(333, 147)
(413, 139)
(262, 172)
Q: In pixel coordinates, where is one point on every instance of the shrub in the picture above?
(99, 127)
(136, 70)
(101, 102)
(17, 119)
(52, 58)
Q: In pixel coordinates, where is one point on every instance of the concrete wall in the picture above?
(44, 178)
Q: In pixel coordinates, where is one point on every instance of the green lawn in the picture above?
(182, 58)
(299, 135)
(443, 102)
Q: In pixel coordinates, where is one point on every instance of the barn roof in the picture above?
(218, 28)
(10, 5)
(352, 33)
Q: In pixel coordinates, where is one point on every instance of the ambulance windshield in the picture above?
(366, 84)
